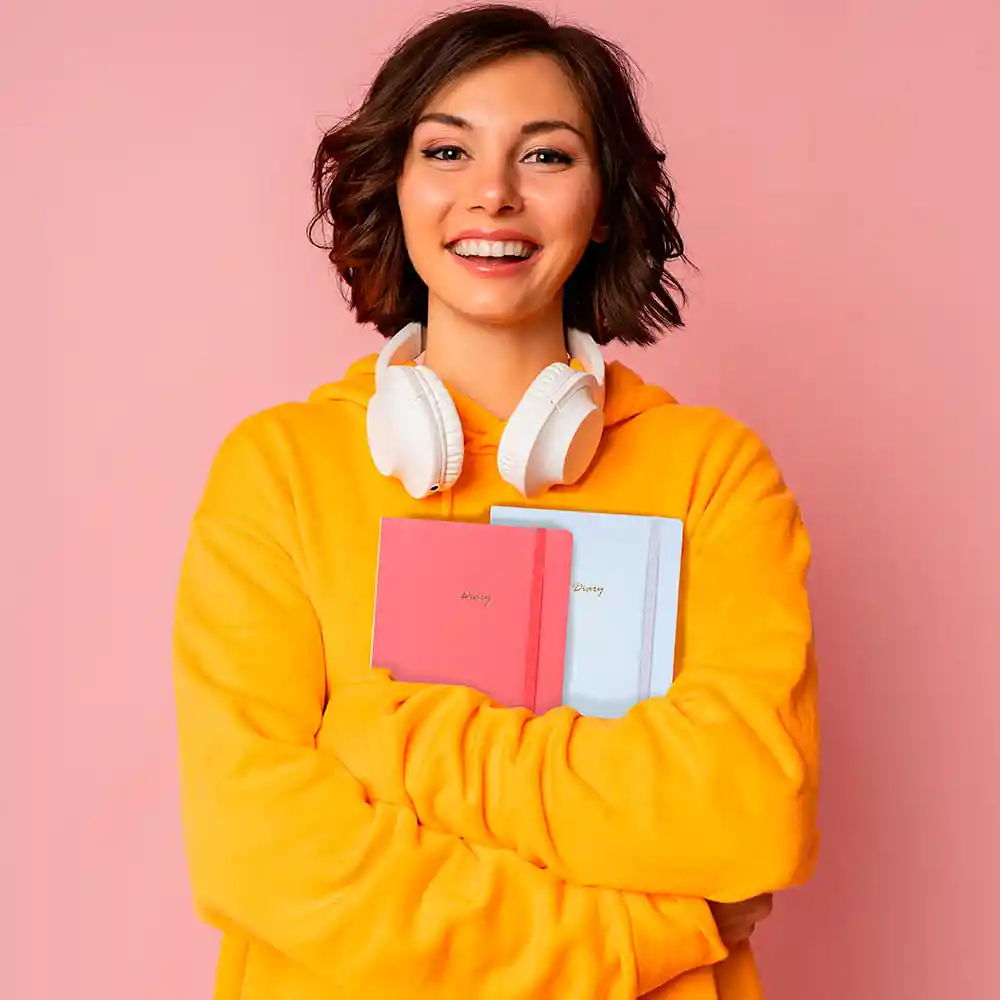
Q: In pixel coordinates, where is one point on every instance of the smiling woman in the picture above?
(522, 112)
(497, 209)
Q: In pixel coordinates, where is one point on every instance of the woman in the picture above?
(357, 837)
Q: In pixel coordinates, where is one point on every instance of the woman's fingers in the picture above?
(738, 921)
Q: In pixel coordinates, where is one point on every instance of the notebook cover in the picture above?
(622, 626)
(474, 604)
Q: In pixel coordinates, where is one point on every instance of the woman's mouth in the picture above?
(486, 257)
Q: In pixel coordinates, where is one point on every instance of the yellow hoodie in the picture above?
(353, 836)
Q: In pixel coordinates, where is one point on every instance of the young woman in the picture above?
(498, 209)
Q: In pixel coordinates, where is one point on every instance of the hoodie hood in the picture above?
(626, 396)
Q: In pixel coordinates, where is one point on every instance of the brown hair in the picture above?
(621, 289)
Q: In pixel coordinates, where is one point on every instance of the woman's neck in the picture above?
(492, 365)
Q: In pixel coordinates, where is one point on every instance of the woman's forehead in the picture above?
(515, 89)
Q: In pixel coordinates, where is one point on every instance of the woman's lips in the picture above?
(495, 267)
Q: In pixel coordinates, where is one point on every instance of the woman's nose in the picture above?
(495, 188)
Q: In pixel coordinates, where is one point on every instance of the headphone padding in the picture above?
(447, 422)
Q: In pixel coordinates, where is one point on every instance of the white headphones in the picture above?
(415, 434)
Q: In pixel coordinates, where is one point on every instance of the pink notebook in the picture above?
(480, 605)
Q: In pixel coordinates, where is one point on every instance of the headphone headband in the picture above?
(408, 344)
(583, 348)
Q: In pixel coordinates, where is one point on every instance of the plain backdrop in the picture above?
(837, 165)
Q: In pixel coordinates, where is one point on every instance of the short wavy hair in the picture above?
(621, 290)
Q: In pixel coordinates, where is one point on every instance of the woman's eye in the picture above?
(446, 153)
(549, 157)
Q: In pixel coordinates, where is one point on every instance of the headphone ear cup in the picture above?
(553, 435)
(521, 433)
(414, 431)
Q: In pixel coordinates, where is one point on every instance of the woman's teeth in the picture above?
(492, 248)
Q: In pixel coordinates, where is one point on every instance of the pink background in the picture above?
(838, 169)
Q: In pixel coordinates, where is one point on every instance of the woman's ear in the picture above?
(600, 232)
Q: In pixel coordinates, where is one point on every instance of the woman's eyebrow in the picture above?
(528, 128)
(550, 125)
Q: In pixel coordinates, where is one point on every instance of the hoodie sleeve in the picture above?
(708, 791)
(285, 847)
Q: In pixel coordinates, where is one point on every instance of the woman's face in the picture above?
(502, 162)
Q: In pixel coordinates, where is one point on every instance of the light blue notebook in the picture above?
(623, 608)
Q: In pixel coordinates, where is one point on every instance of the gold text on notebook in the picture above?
(468, 595)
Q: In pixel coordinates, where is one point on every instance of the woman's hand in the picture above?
(738, 921)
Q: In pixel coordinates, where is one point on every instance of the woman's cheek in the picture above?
(424, 201)
(571, 210)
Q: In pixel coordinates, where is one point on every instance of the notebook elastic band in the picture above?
(535, 620)
(649, 613)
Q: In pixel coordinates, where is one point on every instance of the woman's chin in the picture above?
(493, 313)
